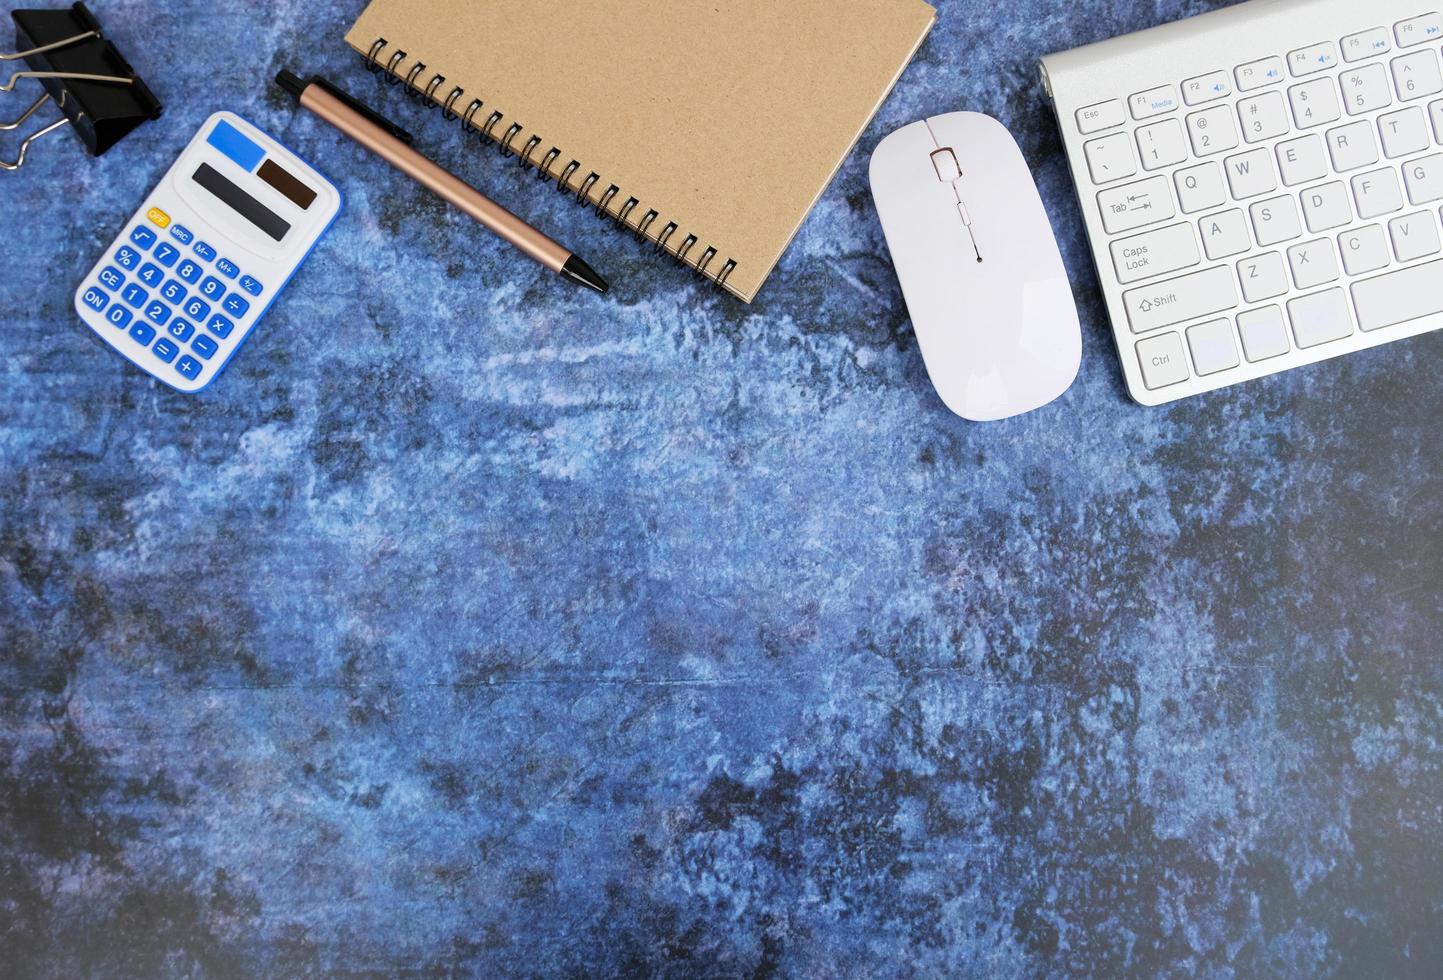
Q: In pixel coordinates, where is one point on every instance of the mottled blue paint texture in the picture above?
(473, 622)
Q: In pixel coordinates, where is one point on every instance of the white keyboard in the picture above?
(1261, 185)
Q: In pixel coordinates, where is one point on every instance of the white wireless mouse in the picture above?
(979, 266)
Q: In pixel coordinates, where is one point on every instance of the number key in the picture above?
(127, 257)
(212, 288)
(181, 329)
(166, 254)
(227, 268)
(1212, 130)
(95, 299)
(150, 274)
(195, 309)
(188, 271)
(143, 237)
(118, 315)
(172, 291)
(236, 305)
(157, 313)
(220, 326)
(135, 296)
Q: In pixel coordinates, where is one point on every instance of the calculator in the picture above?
(207, 253)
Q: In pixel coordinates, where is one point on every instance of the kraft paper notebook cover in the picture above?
(711, 128)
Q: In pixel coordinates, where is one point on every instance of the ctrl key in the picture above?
(1163, 361)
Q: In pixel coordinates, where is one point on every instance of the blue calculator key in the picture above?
(181, 234)
(181, 329)
(143, 237)
(142, 332)
(118, 315)
(204, 251)
(127, 257)
(111, 278)
(220, 326)
(212, 288)
(134, 295)
(227, 268)
(250, 285)
(165, 350)
(150, 274)
(157, 313)
(204, 346)
(172, 291)
(165, 253)
(95, 299)
(236, 305)
(189, 271)
(195, 309)
(189, 367)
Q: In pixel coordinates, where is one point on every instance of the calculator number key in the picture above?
(188, 271)
(143, 237)
(220, 326)
(135, 296)
(118, 315)
(236, 305)
(111, 278)
(181, 329)
(227, 268)
(250, 285)
(127, 257)
(172, 291)
(95, 299)
(189, 367)
(212, 288)
(157, 313)
(166, 254)
(150, 274)
(196, 309)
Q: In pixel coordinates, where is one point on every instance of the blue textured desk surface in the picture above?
(474, 621)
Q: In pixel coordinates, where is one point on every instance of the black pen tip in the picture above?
(291, 82)
(578, 271)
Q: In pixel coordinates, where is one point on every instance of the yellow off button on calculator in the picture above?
(207, 253)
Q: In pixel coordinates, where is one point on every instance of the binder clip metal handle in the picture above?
(97, 91)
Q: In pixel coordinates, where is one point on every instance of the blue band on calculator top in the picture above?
(234, 144)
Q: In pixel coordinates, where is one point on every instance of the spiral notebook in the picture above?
(708, 129)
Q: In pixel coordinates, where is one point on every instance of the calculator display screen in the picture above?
(288, 184)
(241, 203)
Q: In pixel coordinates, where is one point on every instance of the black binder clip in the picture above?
(100, 95)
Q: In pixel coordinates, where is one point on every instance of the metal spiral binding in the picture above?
(525, 158)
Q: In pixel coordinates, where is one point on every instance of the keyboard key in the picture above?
(1153, 102)
(1264, 117)
(1424, 177)
(1155, 253)
(1313, 263)
(1206, 88)
(118, 315)
(1275, 219)
(1109, 158)
(1399, 296)
(1259, 74)
(1103, 115)
(227, 268)
(1263, 277)
(142, 332)
(236, 305)
(196, 309)
(1327, 207)
(1264, 333)
(1163, 361)
(1161, 144)
(1225, 234)
(150, 274)
(95, 299)
(143, 237)
(1321, 318)
(111, 278)
(1213, 347)
(1302, 160)
(188, 271)
(1414, 236)
(181, 234)
(188, 367)
(135, 296)
(1416, 75)
(1250, 174)
(204, 251)
(165, 253)
(181, 329)
(204, 346)
(1364, 249)
(1314, 103)
(157, 313)
(1313, 58)
(1404, 132)
(165, 350)
(127, 257)
(1366, 44)
(1352, 146)
(1134, 205)
(1435, 113)
(1377, 193)
(220, 326)
(1200, 188)
(1212, 130)
(250, 285)
(1365, 89)
(1417, 30)
(212, 288)
(1179, 300)
(172, 291)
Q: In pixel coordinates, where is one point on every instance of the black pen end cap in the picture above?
(578, 271)
(291, 82)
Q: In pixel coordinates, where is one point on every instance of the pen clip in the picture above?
(363, 109)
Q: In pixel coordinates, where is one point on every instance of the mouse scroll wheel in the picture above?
(946, 163)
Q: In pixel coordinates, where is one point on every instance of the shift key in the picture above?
(1179, 300)
(1144, 202)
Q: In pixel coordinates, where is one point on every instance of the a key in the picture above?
(1320, 318)
(1424, 178)
(1404, 132)
(1155, 253)
(1435, 113)
(1352, 146)
(1399, 296)
(1314, 103)
(1103, 115)
(1212, 345)
(1365, 89)
(1206, 88)
(1302, 160)
(1313, 263)
(1109, 158)
(1250, 174)
(1262, 276)
(1366, 44)
(1161, 144)
(1275, 219)
(1224, 234)
(1259, 74)
(1416, 75)
(1135, 205)
(1414, 235)
(1313, 58)
(1153, 102)
(1364, 249)
(1163, 361)
(1188, 297)
(1264, 117)
(1377, 193)
(1417, 30)
(1200, 188)
(1212, 131)
(1264, 333)
(1327, 206)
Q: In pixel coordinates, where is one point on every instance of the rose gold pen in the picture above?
(393, 144)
